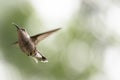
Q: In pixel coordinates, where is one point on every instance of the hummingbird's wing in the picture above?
(37, 38)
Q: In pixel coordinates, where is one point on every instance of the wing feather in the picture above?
(39, 37)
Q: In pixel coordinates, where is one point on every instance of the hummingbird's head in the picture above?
(20, 30)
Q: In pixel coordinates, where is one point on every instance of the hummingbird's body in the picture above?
(28, 43)
(25, 43)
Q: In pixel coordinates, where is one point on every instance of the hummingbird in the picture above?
(28, 43)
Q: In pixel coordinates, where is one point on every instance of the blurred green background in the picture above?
(76, 52)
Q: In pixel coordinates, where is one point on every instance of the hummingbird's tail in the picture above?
(39, 57)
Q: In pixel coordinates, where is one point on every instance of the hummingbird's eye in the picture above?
(23, 29)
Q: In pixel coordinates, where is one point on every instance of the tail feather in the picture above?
(39, 57)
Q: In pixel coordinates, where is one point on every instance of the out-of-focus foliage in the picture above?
(76, 53)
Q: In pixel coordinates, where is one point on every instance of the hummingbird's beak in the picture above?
(16, 26)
